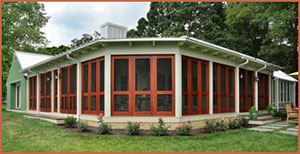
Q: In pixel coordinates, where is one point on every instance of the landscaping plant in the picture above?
(209, 126)
(253, 113)
(184, 129)
(82, 126)
(243, 121)
(70, 122)
(161, 129)
(103, 128)
(221, 125)
(269, 109)
(133, 128)
(233, 124)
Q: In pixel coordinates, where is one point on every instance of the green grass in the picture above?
(31, 135)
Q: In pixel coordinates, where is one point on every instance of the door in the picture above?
(17, 96)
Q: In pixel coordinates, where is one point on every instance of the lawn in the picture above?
(31, 135)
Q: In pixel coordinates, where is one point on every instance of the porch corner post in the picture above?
(270, 90)
(78, 112)
(38, 93)
(178, 85)
(256, 90)
(211, 94)
(294, 93)
(237, 90)
(52, 91)
(27, 93)
(277, 94)
(58, 91)
(107, 86)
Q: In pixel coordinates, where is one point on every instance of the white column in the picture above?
(256, 90)
(58, 91)
(270, 90)
(277, 93)
(78, 90)
(52, 91)
(211, 94)
(178, 85)
(27, 94)
(107, 86)
(38, 93)
(294, 94)
(237, 90)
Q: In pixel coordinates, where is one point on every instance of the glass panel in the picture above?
(242, 81)
(142, 102)
(102, 103)
(204, 103)
(42, 85)
(30, 86)
(66, 103)
(64, 81)
(194, 102)
(102, 75)
(223, 80)
(34, 86)
(94, 76)
(230, 105)
(86, 103)
(250, 83)
(184, 75)
(121, 103)
(86, 78)
(74, 103)
(164, 74)
(94, 104)
(73, 79)
(142, 74)
(184, 102)
(48, 84)
(215, 102)
(266, 86)
(223, 102)
(71, 103)
(164, 102)
(121, 75)
(215, 77)
(203, 77)
(194, 76)
(230, 81)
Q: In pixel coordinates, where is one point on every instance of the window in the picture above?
(68, 83)
(224, 89)
(194, 86)
(45, 94)
(246, 90)
(263, 91)
(143, 85)
(93, 86)
(32, 93)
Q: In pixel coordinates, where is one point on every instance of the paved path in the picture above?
(277, 125)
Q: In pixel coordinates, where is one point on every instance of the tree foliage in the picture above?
(86, 38)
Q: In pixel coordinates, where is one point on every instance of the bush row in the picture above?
(212, 126)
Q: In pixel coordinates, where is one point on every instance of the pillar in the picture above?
(38, 93)
(78, 90)
(58, 91)
(237, 89)
(52, 91)
(256, 90)
(107, 86)
(211, 87)
(178, 85)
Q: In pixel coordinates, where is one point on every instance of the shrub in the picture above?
(269, 109)
(184, 129)
(104, 128)
(233, 124)
(253, 113)
(82, 127)
(70, 122)
(133, 128)
(161, 129)
(273, 112)
(220, 125)
(209, 126)
(243, 122)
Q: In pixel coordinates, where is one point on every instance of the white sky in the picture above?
(70, 20)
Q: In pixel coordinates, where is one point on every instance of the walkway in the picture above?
(281, 127)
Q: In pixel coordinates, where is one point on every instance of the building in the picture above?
(142, 79)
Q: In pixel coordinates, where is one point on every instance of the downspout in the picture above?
(78, 95)
(237, 86)
(256, 85)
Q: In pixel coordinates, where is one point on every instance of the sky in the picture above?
(69, 20)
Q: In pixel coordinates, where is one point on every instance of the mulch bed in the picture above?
(92, 131)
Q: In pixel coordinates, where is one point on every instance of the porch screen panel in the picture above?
(32, 93)
(164, 83)
(121, 84)
(246, 90)
(263, 93)
(55, 90)
(184, 85)
(45, 93)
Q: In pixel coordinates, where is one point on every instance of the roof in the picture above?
(283, 76)
(27, 59)
(177, 39)
(295, 75)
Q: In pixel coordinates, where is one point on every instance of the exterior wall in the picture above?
(16, 77)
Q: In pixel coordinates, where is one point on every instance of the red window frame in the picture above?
(45, 100)
(32, 93)
(246, 98)
(55, 90)
(98, 93)
(263, 100)
(131, 92)
(226, 94)
(199, 92)
(68, 95)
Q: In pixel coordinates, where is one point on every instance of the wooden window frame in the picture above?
(226, 94)
(131, 92)
(32, 93)
(265, 79)
(45, 98)
(89, 94)
(55, 90)
(68, 95)
(246, 94)
(199, 92)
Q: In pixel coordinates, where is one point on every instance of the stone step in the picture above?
(263, 121)
(54, 119)
(289, 132)
(264, 117)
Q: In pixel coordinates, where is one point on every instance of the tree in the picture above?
(21, 27)
(86, 38)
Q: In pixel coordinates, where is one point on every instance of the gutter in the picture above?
(75, 60)
(237, 85)
(260, 69)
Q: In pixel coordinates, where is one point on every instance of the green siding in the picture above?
(16, 77)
